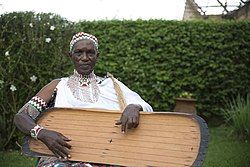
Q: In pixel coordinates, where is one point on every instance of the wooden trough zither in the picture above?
(161, 139)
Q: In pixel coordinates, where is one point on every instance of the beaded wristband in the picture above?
(38, 103)
(34, 131)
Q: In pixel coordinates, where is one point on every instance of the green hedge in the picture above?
(156, 58)
(161, 59)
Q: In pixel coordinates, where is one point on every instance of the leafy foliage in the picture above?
(161, 59)
(30, 47)
(156, 58)
(237, 114)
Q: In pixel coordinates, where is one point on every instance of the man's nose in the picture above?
(84, 56)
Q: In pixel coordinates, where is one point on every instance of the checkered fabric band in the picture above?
(83, 35)
(38, 103)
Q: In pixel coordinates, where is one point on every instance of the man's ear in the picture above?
(69, 54)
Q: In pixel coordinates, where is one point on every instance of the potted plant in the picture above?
(185, 103)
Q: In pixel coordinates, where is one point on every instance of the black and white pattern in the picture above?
(82, 35)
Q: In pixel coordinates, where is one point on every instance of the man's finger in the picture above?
(135, 122)
(65, 138)
(62, 151)
(123, 128)
(124, 124)
(130, 123)
(65, 144)
(119, 122)
(56, 152)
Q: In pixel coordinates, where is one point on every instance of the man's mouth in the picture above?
(84, 66)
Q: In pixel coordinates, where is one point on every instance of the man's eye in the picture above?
(91, 53)
(77, 53)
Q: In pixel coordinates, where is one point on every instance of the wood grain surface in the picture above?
(161, 139)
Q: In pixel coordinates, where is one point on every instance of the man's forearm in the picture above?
(24, 123)
(23, 120)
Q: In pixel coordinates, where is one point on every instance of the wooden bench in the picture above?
(161, 139)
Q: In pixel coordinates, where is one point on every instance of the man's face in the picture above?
(84, 56)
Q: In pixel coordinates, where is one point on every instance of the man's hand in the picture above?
(56, 142)
(130, 117)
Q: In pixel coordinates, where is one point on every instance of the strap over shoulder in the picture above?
(119, 93)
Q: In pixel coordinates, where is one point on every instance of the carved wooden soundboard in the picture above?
(161, 139)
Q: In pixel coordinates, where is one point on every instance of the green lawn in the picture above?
(226, 151)
(223, 151)
(15, 159)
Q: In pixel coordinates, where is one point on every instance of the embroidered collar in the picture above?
(84, 88)
(84, 80)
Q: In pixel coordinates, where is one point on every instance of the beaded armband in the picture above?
(38, 105)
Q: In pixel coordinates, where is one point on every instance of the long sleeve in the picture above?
(132, 97)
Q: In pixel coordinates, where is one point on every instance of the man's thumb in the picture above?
(119, 122)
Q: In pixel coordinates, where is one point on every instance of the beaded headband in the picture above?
(83, 35)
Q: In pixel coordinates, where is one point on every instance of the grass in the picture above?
(238, 116)
(223, 151)
(15, 159)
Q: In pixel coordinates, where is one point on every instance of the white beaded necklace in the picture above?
(84, 88)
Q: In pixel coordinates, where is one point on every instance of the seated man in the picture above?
(83, 89)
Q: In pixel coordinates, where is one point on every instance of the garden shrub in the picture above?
(237, 114)
(158, 59)
(161, 59)
(32, 49)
